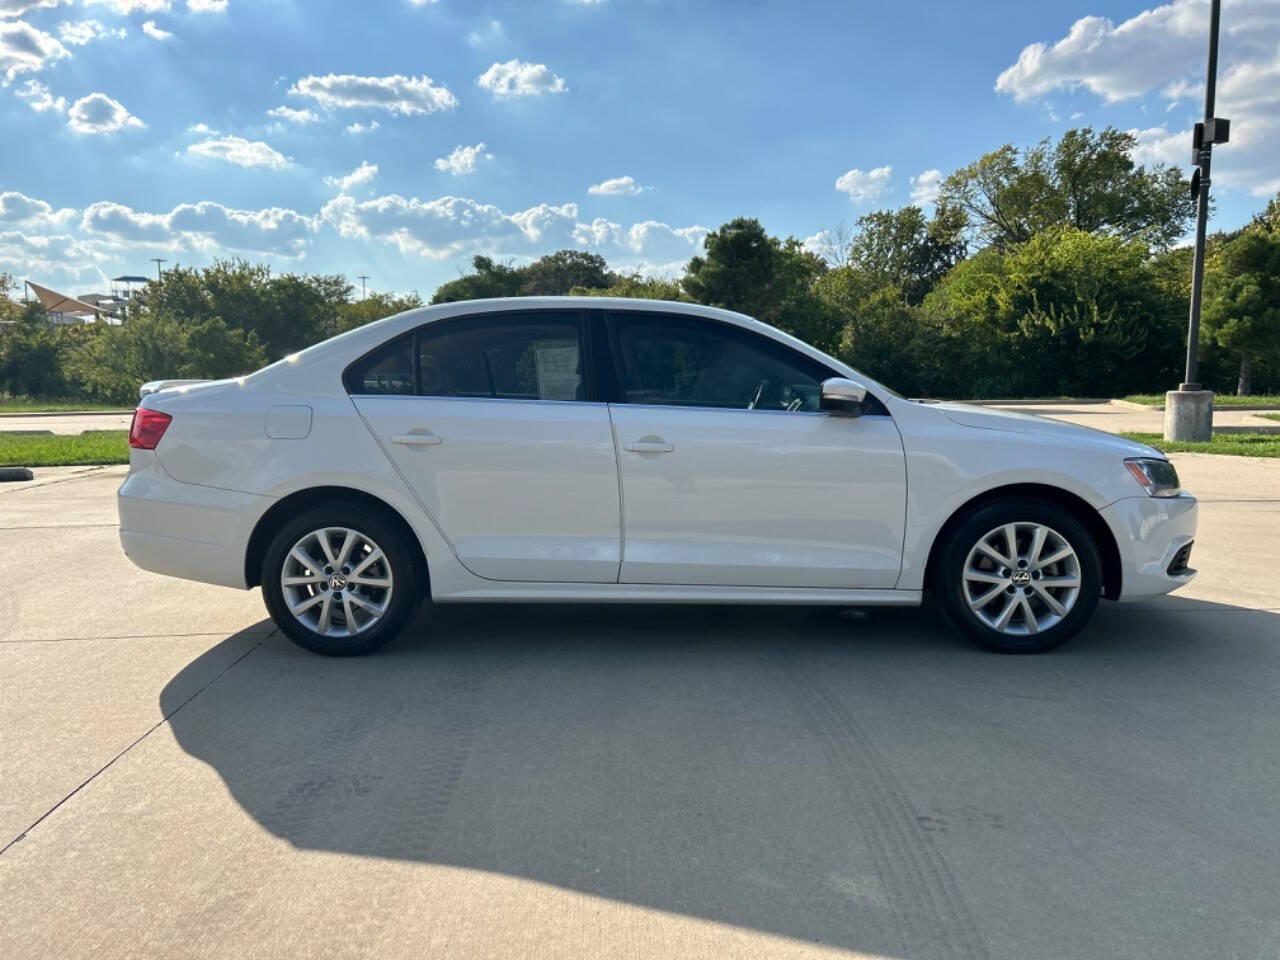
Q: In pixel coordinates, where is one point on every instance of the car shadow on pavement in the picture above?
(867, 782)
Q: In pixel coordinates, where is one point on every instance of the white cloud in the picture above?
(86, 31)
(463, 160)
(357, 129)
(490, 36)
(1161, 51)
(925, 186)
(457, 226)
(864, 186)
(16, 8)
(422, 3)
(20, 210)
(99, 114)
(357, 177)
(24, 49)
(241, 152)
(154, 32)
(58, 259)
(518, 78)
(204, 226)
(292, 115)
(125, 7)
(40, 99)
(616, 186)
(395, 94)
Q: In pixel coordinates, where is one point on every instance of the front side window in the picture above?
(536, 356)
(688, 361)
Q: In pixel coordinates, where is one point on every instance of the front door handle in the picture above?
(416, 438)
(648, 445)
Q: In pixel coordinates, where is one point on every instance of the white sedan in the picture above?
(588, 449)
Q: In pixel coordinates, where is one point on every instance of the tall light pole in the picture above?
(363, 293)
(1188, 411)
(157, 261)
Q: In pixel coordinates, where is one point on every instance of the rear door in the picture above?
(487, 418)
(730, 473)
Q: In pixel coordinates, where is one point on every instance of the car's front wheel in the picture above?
(1019, 576)
(339, 580)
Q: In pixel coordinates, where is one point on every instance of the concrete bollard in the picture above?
(1188, 415)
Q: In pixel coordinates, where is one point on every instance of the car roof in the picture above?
(338, 351)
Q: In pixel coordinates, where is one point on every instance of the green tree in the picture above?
(557, 273)
(487, 279)
(1242, 300)
(747, 270)
(285, 312)
(904, 249)
(636, 286)
(159, 346)
(31, 355)
(1087, 181)
(376, 306)
(1066, 312)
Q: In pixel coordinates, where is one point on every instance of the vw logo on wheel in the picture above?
(1020, 578)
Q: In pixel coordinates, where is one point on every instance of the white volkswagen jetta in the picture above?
(584, 449)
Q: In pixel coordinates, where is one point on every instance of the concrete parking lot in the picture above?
(176, 780)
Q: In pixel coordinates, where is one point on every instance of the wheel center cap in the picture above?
(1020, 578)
(337, 582)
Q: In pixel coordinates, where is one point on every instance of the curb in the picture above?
(70, 413)
(1130, 405)
(1061, 401)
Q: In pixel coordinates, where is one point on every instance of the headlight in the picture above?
(1157, 477)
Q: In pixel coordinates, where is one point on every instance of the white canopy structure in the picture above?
(63, 307)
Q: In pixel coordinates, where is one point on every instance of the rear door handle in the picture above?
(648, 445)
(416, 439)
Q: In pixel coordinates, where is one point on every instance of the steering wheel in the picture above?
(759, 392)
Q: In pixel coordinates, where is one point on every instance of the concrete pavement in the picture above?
(178, 781)
(65, 423)
(1130, 418)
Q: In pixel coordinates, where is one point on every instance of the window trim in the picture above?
(485, 318)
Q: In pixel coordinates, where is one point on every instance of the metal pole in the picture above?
(363, 278)
(1202, 206)
(157, 261)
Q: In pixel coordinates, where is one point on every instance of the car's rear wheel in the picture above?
(1019, 576)
(339, 580)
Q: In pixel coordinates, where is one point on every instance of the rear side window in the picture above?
(536, 356)
(688, 361)
(388, 370)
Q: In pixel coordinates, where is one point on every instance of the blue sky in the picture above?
(145, 128)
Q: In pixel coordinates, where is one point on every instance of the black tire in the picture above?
(405, 591)
(949, 577)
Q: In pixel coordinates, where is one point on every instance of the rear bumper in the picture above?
(1151, 532)
(183, 529)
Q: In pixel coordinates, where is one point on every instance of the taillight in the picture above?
(147, 428)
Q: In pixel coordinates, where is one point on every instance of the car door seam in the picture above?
(622, 504)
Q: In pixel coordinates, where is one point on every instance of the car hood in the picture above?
(1007, 421)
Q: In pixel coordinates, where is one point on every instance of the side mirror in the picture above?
(841, 397)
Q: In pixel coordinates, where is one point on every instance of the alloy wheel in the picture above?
(336, 582)
(1021, 579)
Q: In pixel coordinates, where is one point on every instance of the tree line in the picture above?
(1050, 270)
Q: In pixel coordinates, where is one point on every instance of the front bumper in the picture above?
(1151, 533)
(183, 529)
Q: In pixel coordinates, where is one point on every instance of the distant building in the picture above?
(110, 307)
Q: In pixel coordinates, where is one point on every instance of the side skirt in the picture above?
(515, 592)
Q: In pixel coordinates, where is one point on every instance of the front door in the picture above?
(732, 476)
(487, 420)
